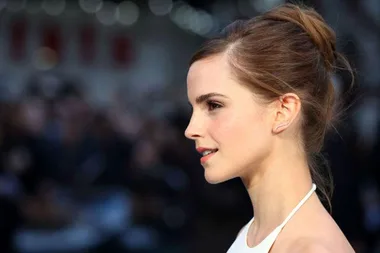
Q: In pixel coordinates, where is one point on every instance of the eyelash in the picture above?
(212, 105)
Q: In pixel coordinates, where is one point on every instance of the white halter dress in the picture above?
(240, 243)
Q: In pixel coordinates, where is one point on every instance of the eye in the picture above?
(212, 105)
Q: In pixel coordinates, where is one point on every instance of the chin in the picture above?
(213, 177)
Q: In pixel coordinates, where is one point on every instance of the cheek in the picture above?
(239, 130)
(229, 129)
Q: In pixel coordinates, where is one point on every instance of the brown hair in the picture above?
(287, 49)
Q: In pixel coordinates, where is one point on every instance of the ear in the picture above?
(287, 108)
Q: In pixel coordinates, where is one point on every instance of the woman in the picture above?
(262, 99)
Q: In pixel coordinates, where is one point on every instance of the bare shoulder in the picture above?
(307, 246)
(315, 245)
(318, 234)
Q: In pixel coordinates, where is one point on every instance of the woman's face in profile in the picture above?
(228, 124)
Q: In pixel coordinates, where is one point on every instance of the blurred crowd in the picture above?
(74, 177)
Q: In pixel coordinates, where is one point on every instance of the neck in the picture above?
(276, 191)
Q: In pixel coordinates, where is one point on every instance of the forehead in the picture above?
(210, 75)
(213, 75)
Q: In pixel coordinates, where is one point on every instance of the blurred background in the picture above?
(92, 112)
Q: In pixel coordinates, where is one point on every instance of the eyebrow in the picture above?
(205, 97)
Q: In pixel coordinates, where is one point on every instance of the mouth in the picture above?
(208, 152)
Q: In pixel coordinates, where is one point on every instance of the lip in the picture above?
(202, 149)
(204, 159)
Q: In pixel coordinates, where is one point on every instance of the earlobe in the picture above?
(280, 127)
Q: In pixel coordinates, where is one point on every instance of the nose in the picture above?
(193, 130)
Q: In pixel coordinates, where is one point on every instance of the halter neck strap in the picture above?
(308, 195)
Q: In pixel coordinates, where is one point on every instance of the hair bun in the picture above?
(313, 24)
